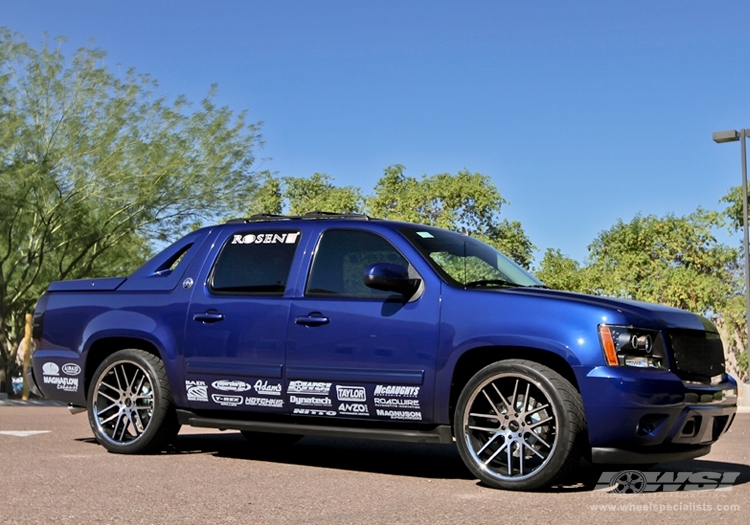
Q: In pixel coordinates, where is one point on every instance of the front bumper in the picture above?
(651, 416)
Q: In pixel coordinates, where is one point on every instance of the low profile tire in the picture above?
(519, 425)
(130, 404)
(270, 439)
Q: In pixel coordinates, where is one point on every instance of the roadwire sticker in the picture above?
(397, 391)
(353, 409)
(266, 238)
(351, 393)
(308, 387)
(67, 384)
(197, 391)
(412, 404)
(264, 402)
(399, 414)
(231, 386)
(227, 401)
(310, 401)
(264, 389)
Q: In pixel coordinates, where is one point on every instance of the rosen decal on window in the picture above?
(264, 402)
(50, 369)
(231, 386)
(227, 401)
(308, 387)
(351, 393)
(397, 391)
(264, 389)
(310, 401)
(353, 409)
(314, 412)
(266, 238)
(197, 391)
(67, 384)
(400, 414)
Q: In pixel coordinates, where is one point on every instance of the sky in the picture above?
(582, 113)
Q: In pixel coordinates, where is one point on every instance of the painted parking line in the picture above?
(23, 433)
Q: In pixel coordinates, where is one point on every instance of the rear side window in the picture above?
(341, 260)
(255, 263)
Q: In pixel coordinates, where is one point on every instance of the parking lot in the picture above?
(54, 472)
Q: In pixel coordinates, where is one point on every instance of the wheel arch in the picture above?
(101, 349)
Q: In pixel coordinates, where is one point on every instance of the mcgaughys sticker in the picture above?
(266, 238)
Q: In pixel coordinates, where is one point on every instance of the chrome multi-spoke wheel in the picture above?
(130, 404)
(517, 423)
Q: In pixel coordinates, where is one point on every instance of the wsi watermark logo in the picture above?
(635, 481)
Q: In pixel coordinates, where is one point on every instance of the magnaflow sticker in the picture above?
(67, 384)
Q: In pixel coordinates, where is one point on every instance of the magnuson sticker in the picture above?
(399, 414)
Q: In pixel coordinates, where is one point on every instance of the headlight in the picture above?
(628, 346)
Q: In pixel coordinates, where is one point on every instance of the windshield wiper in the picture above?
(491, 282)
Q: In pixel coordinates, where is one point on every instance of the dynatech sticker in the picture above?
(197, 391)
(266, 238)
(308, 387)
(226, 385)
(71, 369)
(310, 401)
(50, 369)
(227, 401)
(351, 393)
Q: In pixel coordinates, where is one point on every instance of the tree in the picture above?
(560, 272)
(299, 195)
(93, 163)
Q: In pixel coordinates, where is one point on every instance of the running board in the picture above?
(438, 434)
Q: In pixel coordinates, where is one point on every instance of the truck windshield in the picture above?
(466, 262)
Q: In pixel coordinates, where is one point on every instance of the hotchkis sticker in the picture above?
(397, 391)
(635, 481)
(310, 401)
(71, 369)
(67, 384)
(264, 402)
(264, 389)
(197, 391)
(226, 385)
(308, 387)
(351, 393)
(266, 238)
(397, 403)
(314, 412)
(353, 409)
(227, 401)
(50, 369)
(400, 414)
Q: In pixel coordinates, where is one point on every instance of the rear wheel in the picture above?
(519, 425)
(130, 405)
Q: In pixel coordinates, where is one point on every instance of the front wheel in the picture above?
(519, 425)
(130, 405)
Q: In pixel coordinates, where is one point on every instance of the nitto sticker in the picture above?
(399, 414)
(351, 393)
(310, 401)
(67, 384)
(227, 401)
(231, 386)
(50, 369)
(308, 387)
(314, 412)
(264, 389)
(264, 402)
(266, 238)
(71, 369)
(197, 391)
(397, 391)
(353, 409)
(397, 403)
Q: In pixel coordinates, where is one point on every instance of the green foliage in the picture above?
(298, 195)
(92, 163)
(560, 272)
(734, 211)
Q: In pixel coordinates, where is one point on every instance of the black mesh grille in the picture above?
(698, 355)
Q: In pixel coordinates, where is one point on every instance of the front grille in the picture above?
(697, 355)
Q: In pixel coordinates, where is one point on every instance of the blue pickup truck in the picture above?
(348, 326)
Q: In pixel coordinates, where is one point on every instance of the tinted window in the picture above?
(256, 263)
(341, 260)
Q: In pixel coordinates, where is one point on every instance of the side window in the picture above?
(255, 263)
(341, 260)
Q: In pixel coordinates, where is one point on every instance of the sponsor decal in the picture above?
(264, 389)
(227, 401)
(308, 387)
(231, 386)
(67, 384)
(400, 414)
(314, 412)
(351, 393)
(266, 238)
(635, 481)
(50, 369)
(353, 409)
(71, 369)
(310, 401)
(264, 402)
(197, 391)
(396, 391)
(412, 404)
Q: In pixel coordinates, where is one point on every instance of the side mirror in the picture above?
(391, 278)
